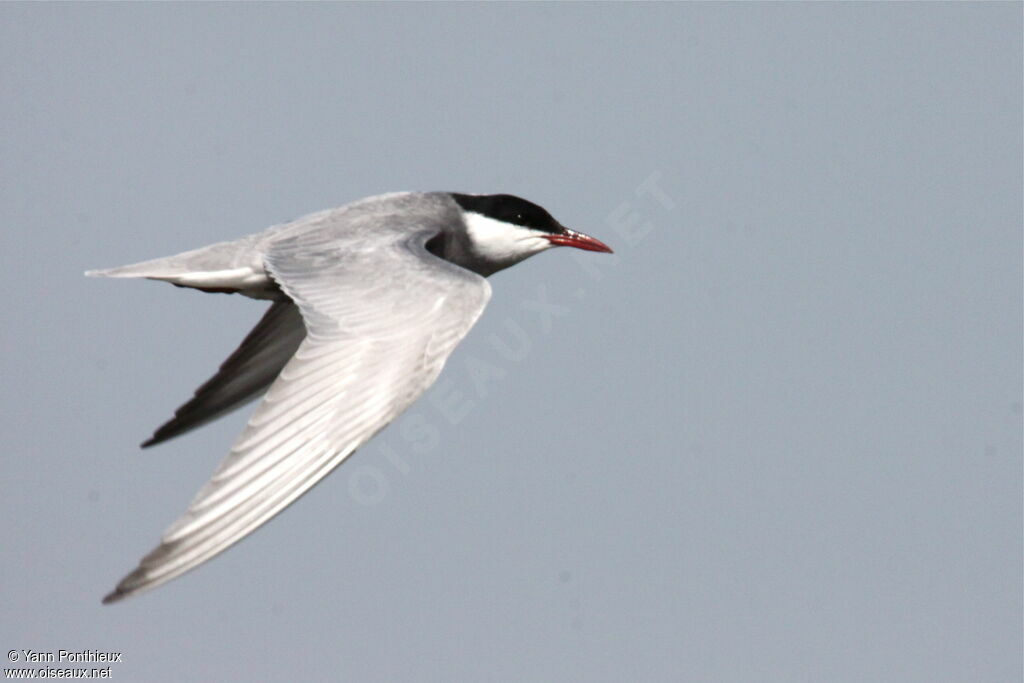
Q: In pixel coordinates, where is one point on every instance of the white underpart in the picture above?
(499, 241)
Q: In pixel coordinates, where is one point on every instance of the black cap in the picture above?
(510, 209)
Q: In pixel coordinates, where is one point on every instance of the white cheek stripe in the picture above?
(500, 241)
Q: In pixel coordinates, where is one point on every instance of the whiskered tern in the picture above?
(368, 301)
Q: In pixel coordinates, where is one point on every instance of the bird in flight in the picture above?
(367, 302)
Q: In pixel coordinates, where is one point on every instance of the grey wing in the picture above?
(382, 316)
(246, 372)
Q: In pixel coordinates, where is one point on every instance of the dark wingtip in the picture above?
(113, 596)
(166, 431)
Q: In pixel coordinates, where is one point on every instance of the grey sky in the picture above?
(776, 438)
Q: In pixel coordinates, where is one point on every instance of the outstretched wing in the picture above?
(248, 371)
(382, 315)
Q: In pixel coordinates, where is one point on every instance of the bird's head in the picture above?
(503, 229)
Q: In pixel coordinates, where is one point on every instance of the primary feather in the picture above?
(246, 372)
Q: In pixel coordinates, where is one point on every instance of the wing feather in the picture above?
(247, 372)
